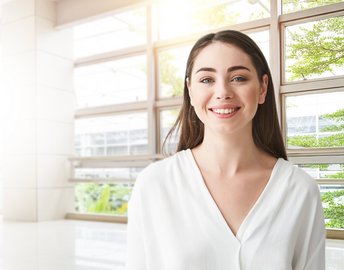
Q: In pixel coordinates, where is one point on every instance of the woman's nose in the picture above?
(223, 91)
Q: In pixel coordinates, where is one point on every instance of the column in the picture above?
(39, 103)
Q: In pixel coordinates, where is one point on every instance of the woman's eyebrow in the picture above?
(230, 69)
(206, 69)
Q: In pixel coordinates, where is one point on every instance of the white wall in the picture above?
(38, 112)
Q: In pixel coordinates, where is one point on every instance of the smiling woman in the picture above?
(234, 76)
(228, 199)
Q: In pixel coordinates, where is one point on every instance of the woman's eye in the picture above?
(207, 80)
(238, 79)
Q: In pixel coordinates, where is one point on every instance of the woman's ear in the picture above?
(263, 89)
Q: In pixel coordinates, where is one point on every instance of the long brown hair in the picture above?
(265, 128)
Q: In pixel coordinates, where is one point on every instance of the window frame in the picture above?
(323, 85)
(154, 104)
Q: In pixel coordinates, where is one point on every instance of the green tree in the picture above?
(169, 74)
(102, 198)
(317, 50)
(102, 204)
(295, 5)
(334, 208)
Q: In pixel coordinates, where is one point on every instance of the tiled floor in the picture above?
(78, 245)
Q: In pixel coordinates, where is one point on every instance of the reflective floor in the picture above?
(71, 245)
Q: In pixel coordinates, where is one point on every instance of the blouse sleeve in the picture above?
(310, 252)
(135, 257)
(316, 254)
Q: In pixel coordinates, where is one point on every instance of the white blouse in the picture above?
(175, 224)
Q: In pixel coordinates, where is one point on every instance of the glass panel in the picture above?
(107, 173)
(324, 171)
(102, 198)
(315, 120)
(332, 196)
(199, 16)
(172, 65)
(333, 203)
(115, 32)
(167, 119)
(112, 135)
(296, 5)
(263, 41)
(314, 50)
(111, 82)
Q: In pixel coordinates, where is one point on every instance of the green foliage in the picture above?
(102, 198)
(334, 209)
(317, 50)
(335, 140)
(216, 16)
(338, 175)
(168, 74)
(321, 167)
(103, 202)
(294, 5)
(333, 128)
(337, 116)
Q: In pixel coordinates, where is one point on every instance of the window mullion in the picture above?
(151, 88)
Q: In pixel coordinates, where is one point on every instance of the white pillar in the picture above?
(38, 103)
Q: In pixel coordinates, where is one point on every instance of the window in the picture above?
(330, 177)
(129, 88)
(311, 93)
(112, 135)
(201, 16)
(111, 82)
(167, 119)
(314, 50)
(291, 5)
(172, 63)
(315, 120)
(111, 33)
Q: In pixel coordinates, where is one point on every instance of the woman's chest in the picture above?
(235, 198)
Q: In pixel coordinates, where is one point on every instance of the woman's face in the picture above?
(224, 88)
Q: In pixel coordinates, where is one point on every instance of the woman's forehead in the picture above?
(221, 55)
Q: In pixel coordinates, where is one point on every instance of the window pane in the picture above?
(197, 16)
(124, 174)
(111, 82)
(292, 5)
(172, 65)
(263, 41)
(333, 203)
(167, 119)
(113, 135)
(111, 33)
(102, 198)
(332, 196)
(315, 50)
(324, 171)
(315, 120)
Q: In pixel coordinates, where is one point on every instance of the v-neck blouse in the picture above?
(174, 223)
(208, 196)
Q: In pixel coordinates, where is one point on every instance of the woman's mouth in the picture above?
(225, 111)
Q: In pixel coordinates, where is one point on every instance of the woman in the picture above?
(228, 199)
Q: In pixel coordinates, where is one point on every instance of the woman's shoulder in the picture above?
(161, 169)
(299, 179)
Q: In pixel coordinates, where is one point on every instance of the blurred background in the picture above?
(89, 90)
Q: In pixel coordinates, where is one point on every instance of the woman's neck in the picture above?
(228, 155)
